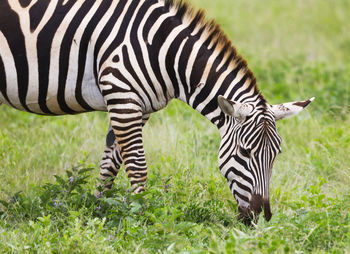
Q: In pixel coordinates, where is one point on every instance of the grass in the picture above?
(297, 49)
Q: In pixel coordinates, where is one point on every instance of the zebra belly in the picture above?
(51, 95)
(89, 91)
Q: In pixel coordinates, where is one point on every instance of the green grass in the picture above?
(297, 49)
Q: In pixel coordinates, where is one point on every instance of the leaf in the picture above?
(60, 181)
(4, 203)
(113, 202)
(84, 170)
(69, 173)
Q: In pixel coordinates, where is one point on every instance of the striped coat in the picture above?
(130, 58)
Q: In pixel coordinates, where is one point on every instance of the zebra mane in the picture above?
(216, 38)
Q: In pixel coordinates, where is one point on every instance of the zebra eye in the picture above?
(245, 152)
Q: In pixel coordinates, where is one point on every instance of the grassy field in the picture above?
(297, 49)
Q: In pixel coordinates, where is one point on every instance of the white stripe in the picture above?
(182, 95)
(32, 96)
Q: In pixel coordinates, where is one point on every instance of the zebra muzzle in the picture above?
(256, 205)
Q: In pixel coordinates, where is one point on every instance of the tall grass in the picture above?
(297, 49)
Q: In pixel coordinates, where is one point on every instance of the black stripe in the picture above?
(3, 82)
(125, 120)
(245, 91)
(213, 103)
(127, 155)
(44, 44)
(10, 27)
(225, 86)
(150, 22)
(124, 111)
(136, 175)
(200, 64)
(122, 101)
(239, 173)
(36, 13)
(228, 139)
(243, 187)
(24, 3)
(183, 61)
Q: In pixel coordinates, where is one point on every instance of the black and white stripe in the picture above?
(130, 58)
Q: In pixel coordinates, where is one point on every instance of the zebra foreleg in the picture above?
(112, 159)
(127, 120)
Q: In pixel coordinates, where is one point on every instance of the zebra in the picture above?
(130, 58)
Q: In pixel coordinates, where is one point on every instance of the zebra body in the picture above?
(130, 58)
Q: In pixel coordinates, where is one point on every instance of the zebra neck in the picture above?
(200, 63)
(210, 75)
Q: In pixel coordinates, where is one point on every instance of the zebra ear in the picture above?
(235, 109)
(289, 109)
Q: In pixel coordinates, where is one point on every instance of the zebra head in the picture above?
(249, 146)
